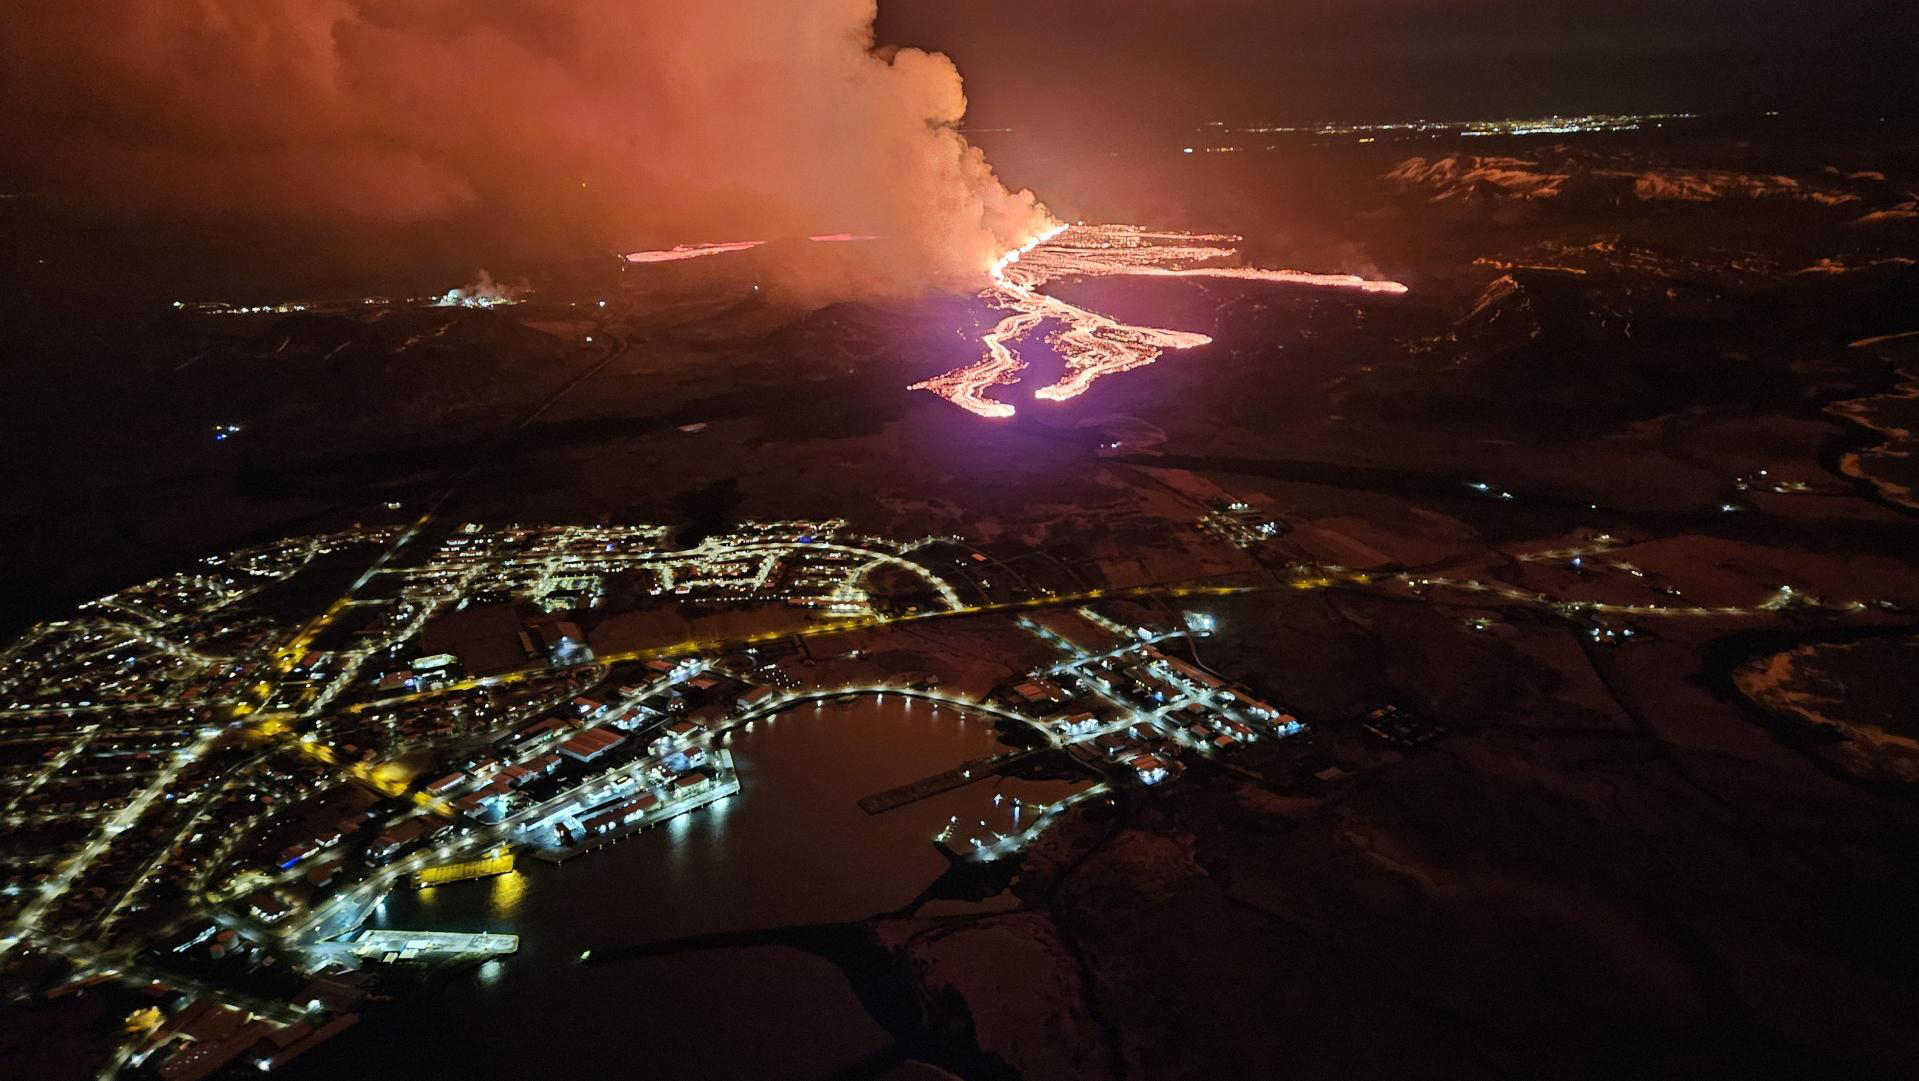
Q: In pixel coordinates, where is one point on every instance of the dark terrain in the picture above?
(1614, 863)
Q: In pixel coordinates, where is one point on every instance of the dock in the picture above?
(390, 946)
(958, 777)
(722, 788)
(499, 863)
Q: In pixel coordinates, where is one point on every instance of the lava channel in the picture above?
(1094, 345)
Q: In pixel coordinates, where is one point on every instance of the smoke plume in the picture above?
(483, 292)
(611, 124)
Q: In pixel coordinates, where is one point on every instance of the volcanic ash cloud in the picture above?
(609, 123)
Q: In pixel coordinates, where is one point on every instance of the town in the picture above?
(213, 779)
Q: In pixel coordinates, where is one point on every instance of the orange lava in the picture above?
(690, 251)
(1095, 345)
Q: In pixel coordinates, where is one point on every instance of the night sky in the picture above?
(359, 135)
(1112, 63)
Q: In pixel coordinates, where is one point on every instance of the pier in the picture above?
(387, 946)
(499, 863)
(958, 777)
(723, 787)
(392, 946)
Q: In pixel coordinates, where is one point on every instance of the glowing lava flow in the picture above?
(1091, 344)
(690, 251)
(965, 387)
(698, 251)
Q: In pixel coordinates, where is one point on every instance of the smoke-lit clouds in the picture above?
(607, 124)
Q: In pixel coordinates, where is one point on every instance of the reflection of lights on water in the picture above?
(491, 972)
(503, 900)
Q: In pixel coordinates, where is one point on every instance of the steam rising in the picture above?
(484, 292)
(610, 124)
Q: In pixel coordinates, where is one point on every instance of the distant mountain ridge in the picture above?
(1560, 175)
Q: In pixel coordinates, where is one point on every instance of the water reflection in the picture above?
(503, 900)
(792, 847)
(679, 827)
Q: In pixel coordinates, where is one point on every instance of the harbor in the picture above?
(789, 846)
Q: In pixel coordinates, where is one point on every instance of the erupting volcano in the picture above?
(1094, 345)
